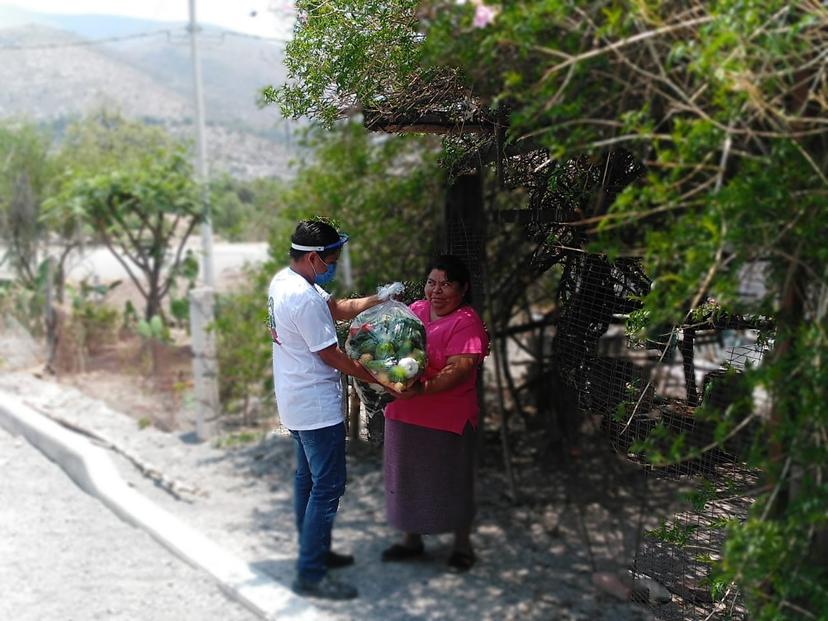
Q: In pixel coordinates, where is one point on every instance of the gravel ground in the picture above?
(63, 555)
(533, 563)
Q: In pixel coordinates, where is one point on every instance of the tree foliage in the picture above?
(725, 104)
(385, 191)
(243, 347)
(244, 210)
(345, 55)
(26, 170)
(133, 187)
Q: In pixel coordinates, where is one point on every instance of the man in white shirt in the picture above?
(307, 363)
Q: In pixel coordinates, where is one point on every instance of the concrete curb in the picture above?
(91, 469)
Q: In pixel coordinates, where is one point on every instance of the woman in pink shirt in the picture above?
(430, 429)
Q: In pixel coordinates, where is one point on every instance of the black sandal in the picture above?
(461, 561)
(399, 552)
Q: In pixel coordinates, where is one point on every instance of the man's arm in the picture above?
(342, 310)
(336, 358)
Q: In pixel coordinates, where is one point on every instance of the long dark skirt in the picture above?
(429, 478)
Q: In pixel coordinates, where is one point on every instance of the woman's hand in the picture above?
(415, 390)
(457, 369)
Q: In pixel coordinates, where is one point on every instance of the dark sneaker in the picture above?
(334, 560)
(327, 588)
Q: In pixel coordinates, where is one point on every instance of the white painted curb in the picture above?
(90, 467)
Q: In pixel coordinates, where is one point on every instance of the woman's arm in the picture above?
(457, 370)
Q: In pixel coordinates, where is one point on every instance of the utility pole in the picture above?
(205, 365)
(201, 152)
(347, 273)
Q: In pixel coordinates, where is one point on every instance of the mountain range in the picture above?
(55, 69)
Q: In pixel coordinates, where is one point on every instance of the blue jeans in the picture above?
(318, 486)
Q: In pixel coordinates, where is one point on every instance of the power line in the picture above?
(141, 35)
(86, 43)
(244, 35)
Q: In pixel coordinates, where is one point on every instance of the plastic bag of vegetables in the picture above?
(389, 341)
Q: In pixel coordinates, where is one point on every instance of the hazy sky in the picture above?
(266, 18)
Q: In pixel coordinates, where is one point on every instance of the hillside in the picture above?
(234, 70)
(53, 76)
(49, 83)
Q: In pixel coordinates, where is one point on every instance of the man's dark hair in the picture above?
(313, 233)
(455, 269)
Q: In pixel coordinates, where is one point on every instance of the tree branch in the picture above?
(622, 43)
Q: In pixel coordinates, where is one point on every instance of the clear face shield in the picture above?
(328, 275)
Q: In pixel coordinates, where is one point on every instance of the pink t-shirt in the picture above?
(460, 332)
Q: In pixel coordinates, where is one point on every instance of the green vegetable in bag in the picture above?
(389, 341)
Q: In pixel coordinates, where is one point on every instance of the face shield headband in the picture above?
(343, 239)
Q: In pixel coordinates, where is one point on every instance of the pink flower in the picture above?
(483, 15)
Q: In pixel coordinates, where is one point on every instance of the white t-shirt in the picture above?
(308, 391)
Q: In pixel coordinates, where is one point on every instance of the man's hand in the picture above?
(389, 291)
(345, 309)
(336, 358)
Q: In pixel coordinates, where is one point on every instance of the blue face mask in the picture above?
(325, 277)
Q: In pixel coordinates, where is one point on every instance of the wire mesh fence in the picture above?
(650, 393)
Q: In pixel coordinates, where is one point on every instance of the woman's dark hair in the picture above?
(313, 233)
(455, 269)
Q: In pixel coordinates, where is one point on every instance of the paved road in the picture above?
(64, 556)
(97, 261)
(228, 259)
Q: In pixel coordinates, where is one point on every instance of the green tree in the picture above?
(347, 55)
(105, 140)
(386, 192)
(243, 345)
(26, 170)
(133, 187)
(244, 210)
(724, 103)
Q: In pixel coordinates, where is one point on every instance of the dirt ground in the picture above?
(576, 513)
(578, 510)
